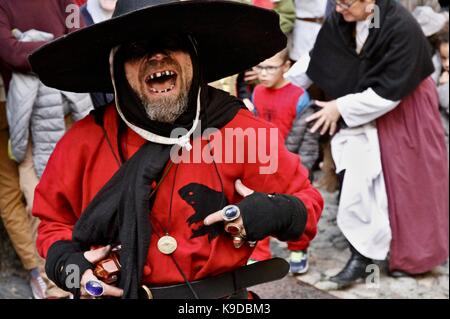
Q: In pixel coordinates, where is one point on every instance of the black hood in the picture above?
(130, 105)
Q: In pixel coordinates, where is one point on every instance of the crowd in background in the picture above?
(33, 117)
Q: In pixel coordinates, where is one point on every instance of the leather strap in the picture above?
(223, 285)
(315, 20)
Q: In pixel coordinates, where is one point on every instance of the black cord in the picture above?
(176, 264)
(184, 277)
(121, 130)
(111, 147)
(171, 199)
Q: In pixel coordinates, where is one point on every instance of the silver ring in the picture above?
(230, 213)
(94, 288)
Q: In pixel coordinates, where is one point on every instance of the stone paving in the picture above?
(329, 252)
(13, 279)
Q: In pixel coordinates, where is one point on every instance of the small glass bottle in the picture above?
(108, 269)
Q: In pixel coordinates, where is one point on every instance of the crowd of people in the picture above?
(364, 108)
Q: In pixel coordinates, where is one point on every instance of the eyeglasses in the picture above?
(345, 4)
(271, 69)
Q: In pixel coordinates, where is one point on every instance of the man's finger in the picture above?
(88, 275)
(112, 291)
(213, 218)
(243, 190)
(94, 256)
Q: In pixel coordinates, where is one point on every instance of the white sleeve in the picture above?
(297, 73)
(361, 108)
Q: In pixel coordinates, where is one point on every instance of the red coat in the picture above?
(83, 162)
(80, 2)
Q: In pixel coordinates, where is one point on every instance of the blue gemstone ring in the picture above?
(94, 288)
(230, 213)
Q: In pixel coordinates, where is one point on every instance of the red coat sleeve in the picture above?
(58, 196)
(53, 206)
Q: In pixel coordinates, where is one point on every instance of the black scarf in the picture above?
(119, 213)
(393, 61)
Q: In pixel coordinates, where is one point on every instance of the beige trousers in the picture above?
(19, 224)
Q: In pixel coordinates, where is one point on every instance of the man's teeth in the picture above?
(162, 91)
(160, 74)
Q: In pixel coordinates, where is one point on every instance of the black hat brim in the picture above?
(231, 37)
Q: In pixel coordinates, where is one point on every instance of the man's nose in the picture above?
(158, 56)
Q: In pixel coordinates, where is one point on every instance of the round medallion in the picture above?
(167, 244)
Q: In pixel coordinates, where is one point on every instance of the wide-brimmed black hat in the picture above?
(231, 37)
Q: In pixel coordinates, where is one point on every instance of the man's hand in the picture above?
(280, 215)
(215, 217)
(326, 119)
(94, 256)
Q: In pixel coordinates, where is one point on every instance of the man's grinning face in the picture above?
(162, 81)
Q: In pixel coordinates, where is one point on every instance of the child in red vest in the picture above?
(286, 106)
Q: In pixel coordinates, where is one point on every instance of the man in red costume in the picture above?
(187, 224)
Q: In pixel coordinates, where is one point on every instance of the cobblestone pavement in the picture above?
(14, 286)
(288, 287)
(329, 252)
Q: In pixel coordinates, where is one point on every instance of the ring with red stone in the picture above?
(234, 229)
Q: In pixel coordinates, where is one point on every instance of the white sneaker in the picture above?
(38, 287)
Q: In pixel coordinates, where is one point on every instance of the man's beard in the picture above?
(166, 109)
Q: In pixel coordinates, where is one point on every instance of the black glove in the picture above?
(61, 257)
(278, 215)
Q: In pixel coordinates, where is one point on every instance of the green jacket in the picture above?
(286, 10)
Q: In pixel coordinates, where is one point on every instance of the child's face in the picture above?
(108, 5)
(270, 72)
(443, 50)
